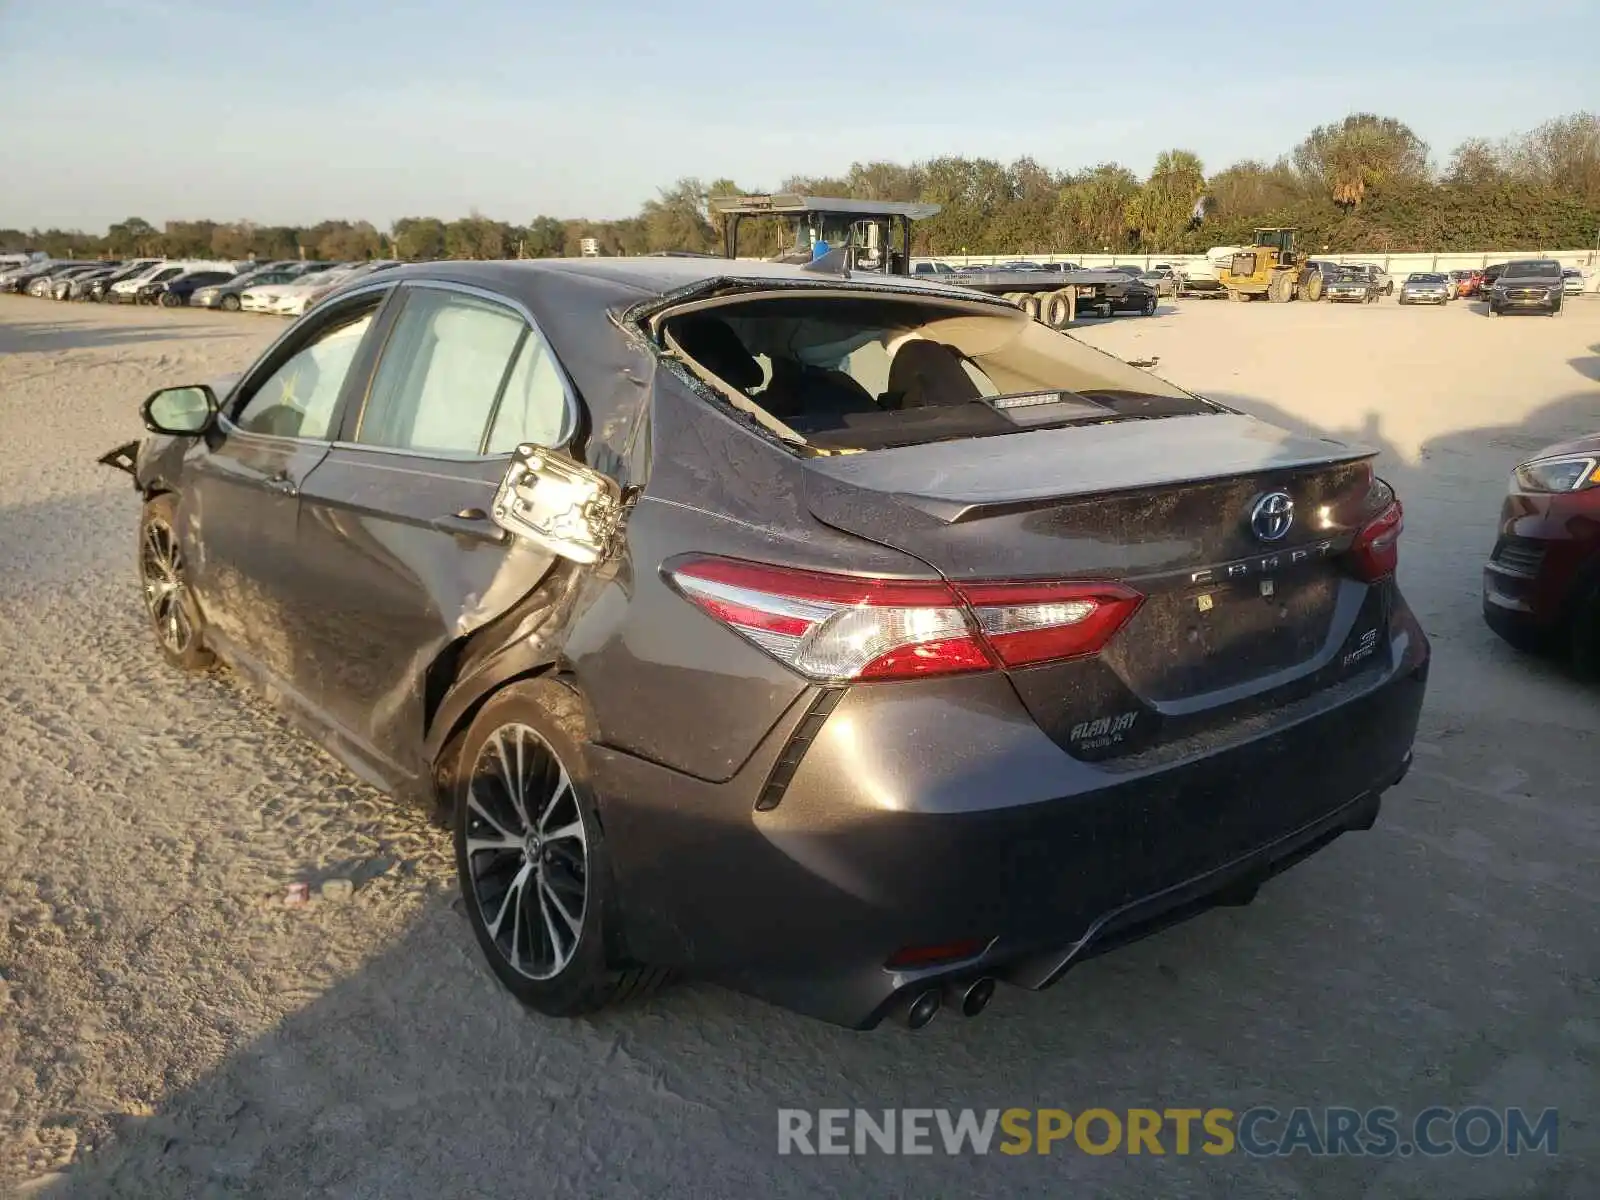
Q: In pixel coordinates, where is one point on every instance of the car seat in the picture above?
(927, 374)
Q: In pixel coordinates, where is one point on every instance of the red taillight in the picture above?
(1375, 552)
(847, 627)
(1027, 623)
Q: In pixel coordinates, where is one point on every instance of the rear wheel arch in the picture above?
(447, 723)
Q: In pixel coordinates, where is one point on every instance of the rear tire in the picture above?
(1280, 289)
(1057, 311)
(174, 615)
(1030, 305)
(531, 855)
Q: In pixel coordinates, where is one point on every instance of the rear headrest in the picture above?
(711, 342)
(926, 374)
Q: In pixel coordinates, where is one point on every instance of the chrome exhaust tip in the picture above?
(924, 1007)
(977, 996)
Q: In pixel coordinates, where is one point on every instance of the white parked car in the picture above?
(292, 299)
(269, 298)
(1572, 281)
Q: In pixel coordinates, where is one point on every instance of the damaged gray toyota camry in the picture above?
(856, 642)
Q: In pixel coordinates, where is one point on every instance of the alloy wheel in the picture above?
(527, 854)
(165, 593)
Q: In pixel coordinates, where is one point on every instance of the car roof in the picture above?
(608, 282)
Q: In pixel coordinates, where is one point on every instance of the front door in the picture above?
(242, 506)
(396, 527)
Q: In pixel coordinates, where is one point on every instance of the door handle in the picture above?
(472, 524)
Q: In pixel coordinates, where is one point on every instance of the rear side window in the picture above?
(442, 372)
(533, 407)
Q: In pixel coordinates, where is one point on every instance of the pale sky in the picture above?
(290, 111)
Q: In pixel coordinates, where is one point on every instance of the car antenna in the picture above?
(834, 262)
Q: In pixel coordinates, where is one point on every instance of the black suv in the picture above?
(1527, 285)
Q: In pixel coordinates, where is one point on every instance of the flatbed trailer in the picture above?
(1055, 298)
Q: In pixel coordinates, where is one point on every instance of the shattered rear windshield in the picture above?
(865, 373)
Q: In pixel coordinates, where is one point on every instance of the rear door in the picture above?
(395, 527)
(242, 494)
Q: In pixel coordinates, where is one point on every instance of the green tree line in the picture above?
(1365, 183)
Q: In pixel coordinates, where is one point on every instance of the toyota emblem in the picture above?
(1271, 517)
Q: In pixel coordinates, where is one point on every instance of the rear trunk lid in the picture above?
(1170, 506)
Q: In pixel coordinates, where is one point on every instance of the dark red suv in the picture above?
(1541, 586)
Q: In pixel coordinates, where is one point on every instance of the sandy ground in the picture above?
(163, 1032)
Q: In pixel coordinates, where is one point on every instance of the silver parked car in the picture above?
(1425, 287)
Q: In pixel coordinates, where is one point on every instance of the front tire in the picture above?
(1149, 307)
(230, 304)
(531, 856)
(174, 615)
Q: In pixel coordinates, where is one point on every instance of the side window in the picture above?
(299, 398)
(444, 367)
(534, 406)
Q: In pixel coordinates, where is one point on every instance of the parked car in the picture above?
(178, 291)
(97, 289)
(931, 266)
(1528, 285)
(320, 285)
(1380, 278)
(1425, 287)
(22, 281)
(126, 291)
(41, 285)
(1571, 281)
(65, 285)
(1062, 266)
(1487, 280)
(1541, 585)
(1466, 282)
(699, 695)
(264, 297)
(225, 293)
(1342, 286)
(1164, 281)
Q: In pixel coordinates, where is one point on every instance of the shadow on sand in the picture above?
(43, 335)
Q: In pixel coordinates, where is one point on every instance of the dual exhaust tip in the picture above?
(972, 997)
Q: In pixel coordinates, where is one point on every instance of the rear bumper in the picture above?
(941, 813)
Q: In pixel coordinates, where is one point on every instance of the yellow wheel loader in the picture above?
(1270, 268)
